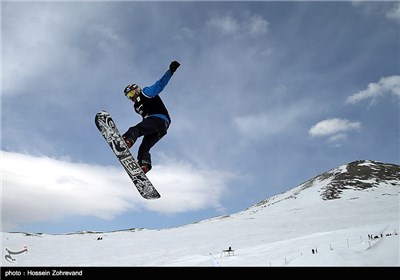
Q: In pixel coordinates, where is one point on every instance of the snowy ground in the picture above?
(295, 228)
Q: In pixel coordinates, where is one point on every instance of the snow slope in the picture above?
(358, 226)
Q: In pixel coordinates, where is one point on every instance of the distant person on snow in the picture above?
(156, 119)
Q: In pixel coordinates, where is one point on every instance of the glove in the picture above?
(173, 66)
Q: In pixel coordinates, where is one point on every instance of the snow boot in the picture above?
(129, 142)
(145, 165)
(145, 168)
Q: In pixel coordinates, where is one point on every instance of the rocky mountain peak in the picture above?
(358, 175)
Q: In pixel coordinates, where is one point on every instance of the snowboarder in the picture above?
(156, 119)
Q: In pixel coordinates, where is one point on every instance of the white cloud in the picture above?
(41, 189)
(333, 126)
(336, 140)
(186, 188)
(256, 25)
(41, 41)
(385, 85)
(337, 137)
(278, 120)
(394, 12)
(390, 9)
(335, 129)
(251, 25)
(226, 25)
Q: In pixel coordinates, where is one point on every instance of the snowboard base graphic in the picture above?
(109, 130)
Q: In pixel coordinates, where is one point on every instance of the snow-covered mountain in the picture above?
(347, 216)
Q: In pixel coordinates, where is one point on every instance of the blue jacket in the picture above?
(149, 103)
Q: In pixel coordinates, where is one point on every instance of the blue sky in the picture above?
(268, 95)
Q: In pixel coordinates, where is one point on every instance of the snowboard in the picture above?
(109, 130)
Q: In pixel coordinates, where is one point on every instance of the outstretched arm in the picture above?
(158, 86)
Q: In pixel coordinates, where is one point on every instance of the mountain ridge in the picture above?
(352, 175)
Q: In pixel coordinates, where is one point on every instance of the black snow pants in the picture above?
(152, 129)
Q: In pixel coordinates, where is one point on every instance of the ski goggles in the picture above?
(132, 90)
(131, 94)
